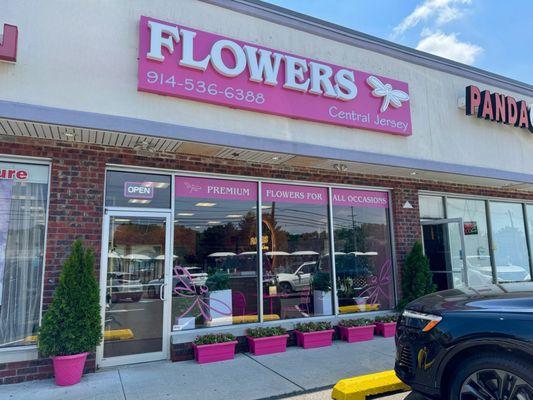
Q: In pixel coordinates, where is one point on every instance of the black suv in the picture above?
(469, 343)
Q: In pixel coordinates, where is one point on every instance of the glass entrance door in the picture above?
(136, 265)
(444, 246)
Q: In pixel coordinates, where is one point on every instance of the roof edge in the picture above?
(319, 27)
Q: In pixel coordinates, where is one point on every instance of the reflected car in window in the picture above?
(124, 286)
(298, 280)
(196, 278)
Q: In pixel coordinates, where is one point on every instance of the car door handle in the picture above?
(161, 291)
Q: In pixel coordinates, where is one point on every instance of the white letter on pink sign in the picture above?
(218, 63)
(262, 68)
(345, 85)
(187, 55)
(295, 69)
(157, 41)
(320, 80)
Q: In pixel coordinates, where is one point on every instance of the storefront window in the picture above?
(476, 239)
(509, 242)
(362, 250)
(23, 202)
(431, 207)
(215, 253)
(296, 272)
(131, 189)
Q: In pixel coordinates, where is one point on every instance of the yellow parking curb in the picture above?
(359, 387)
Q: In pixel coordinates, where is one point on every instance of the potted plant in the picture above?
(356, 330)
(71, 327)
(267, 340)
(310, 335)
(220, 299)
(417, 279)
(386, 325)
(214, 347)
(321, 284)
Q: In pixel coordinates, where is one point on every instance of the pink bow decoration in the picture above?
(185, 288)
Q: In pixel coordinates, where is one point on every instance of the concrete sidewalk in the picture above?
(246, 378)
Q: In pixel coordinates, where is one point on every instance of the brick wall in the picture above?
(76, 199)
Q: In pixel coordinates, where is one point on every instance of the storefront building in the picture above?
(234, 164)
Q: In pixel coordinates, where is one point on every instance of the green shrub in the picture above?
(417, 279)
(218, 281)
(321, 281)
(213, 338)
(386, 319)
(267, 331)
(72, 324)
(312, 326)
(350, 323)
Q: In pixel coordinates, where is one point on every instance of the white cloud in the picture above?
(443, 11)
(448, 46)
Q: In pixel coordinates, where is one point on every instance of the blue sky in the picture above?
(494, 35)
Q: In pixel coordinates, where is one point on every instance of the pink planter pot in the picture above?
(69, 369)
(387, 329)
(311, 340)
(268, 345)
(208, 353)
(357, 333)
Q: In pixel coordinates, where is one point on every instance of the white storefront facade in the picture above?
(224, 156)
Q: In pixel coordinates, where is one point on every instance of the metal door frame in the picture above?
(144, 357)
(447, 221)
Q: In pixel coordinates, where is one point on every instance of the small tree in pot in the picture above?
(71, 327)
(417, 278)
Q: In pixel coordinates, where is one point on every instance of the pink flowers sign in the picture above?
(207, 188)
(178, 61)
(360, 198)
(293, 194)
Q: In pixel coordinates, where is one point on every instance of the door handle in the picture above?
(161, 291)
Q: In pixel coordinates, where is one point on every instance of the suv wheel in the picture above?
(492, 378)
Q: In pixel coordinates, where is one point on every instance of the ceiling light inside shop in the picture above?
(233, 216)
(275, 158)
(185, 214)
(139, 201)
(213, 222)
(413, 173)
(205, 204)
(121, 220)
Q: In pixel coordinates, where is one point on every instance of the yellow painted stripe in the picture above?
(359, 387)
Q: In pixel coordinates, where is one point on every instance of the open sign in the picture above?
(139, 190)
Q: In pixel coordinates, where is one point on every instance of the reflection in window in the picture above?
(431, 207)
(296, 273)
(135, 277)
(362, 250)
(474, 217)
(509, 242)
(215, 250)
(22, 238)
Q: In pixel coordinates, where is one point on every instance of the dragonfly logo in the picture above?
(390, 96)
(8, 43)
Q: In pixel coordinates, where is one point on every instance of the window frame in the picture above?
(488, 200)
(183, 335)
(29, 351)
